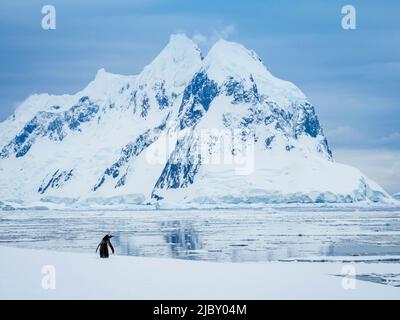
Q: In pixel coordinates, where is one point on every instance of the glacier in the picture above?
(189, 130)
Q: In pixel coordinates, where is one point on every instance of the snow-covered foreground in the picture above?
(85, 276)
(269, 253)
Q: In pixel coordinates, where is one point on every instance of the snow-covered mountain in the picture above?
(215, 130)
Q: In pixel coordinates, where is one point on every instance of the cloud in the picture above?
(200, 38)
(345, 136)
(226, 32)
(348, 136)
(208, 40)
(391, 139)
(382, 165)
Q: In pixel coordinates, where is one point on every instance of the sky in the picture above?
(351, 76)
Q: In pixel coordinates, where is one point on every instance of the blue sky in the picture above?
(352, 76)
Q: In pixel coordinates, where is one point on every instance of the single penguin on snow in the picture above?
(105, 242)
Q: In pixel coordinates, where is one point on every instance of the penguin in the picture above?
(105, 242)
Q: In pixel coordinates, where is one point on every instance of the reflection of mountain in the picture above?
(126, 245)
(181, 238)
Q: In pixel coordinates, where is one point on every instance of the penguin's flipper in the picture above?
(111, 246)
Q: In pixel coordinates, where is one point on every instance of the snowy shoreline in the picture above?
(85, 276)
(40, 205)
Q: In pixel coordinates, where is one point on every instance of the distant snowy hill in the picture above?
(215, 130)
(396, 196)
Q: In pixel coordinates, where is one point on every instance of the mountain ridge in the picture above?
(98, 145)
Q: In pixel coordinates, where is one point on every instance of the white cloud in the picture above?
(381, 165)
(345, 135)
(208, 40)
(391, 139)
(226, 32)
(200, 38)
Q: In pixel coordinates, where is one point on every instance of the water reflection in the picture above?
(361, 249)
(206, 235)
(181, 238)
(125, 243)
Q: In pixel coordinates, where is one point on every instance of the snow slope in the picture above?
(77, 277)
(216, 130)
